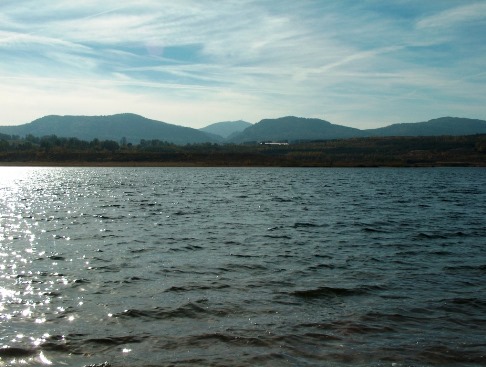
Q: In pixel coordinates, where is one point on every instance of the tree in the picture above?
(110, 145)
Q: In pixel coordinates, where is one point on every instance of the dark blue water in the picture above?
(242, 267)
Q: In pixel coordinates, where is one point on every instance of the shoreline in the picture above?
(236, 165)
(444, 151)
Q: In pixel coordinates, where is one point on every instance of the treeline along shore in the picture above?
(428, 151)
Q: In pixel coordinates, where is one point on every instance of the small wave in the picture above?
(196, 287)
(442, 355)
(245, 266)
(120, 340)
(190, 270)
(458, 304)
(323, 256)
(281, 200)
(423, 235)
(105, 217)
(305, 225)
(182, 212)
(60, 237)
(141, 250)
(232, 243)
(309, 337)
(462, 268)
(15, 352)
(191, 310)
(56, 257)
(147, 204)
(441, 253)
(323, 292)
(349, 327)
(269, 359)
(321, 266)
(104, 364)
(63, 343)
(133, 279)
(52, 294)
(106, 269)
(81, 281)
(195, 341)
(193, 247)
(374, 230)
(408, 253)
(401, 318)
(285, 237)
(244, 256)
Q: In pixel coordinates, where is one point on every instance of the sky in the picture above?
(362, 64)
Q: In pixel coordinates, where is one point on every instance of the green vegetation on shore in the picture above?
(356, 152)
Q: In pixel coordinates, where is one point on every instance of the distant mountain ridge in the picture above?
(439, 126)
(226, 129)
(291, 128)
(130, 126)
(134, 128)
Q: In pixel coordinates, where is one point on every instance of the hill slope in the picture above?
(294, 128)
(114, 127)
(226, 129)
(435, 127)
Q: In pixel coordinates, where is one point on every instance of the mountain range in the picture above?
(292, 128)
(133, 128)
(439, 126)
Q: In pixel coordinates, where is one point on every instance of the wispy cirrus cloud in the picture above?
(459, 14)
(362, 64)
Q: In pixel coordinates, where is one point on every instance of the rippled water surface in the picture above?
(242, 267)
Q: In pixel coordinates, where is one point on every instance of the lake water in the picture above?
(242, 267)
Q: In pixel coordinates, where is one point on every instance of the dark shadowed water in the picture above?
(242, 267)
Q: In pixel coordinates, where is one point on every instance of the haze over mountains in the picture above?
(134, 128)
(226, 129)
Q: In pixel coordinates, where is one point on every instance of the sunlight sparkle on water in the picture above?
(43, 359)
(11, 179)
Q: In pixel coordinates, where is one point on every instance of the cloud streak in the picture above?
(203, 61)
(457, 15)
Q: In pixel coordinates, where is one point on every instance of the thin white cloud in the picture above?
(106, 97)
(450, 17)
(357, 57)
(19, 39)
(285, 57)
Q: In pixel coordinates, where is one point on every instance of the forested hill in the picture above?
(293, 128)
(300, 129)
(114, 127)
(436, 127)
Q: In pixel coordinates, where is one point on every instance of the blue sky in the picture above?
(363, 63)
